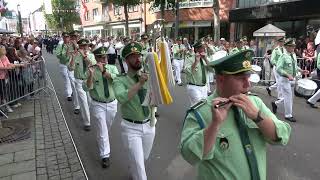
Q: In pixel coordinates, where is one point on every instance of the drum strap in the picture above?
(247, 147)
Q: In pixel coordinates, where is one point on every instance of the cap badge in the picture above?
(246, 64)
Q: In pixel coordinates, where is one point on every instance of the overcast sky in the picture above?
(26, 6)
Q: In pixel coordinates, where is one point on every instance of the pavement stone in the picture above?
(16, 168)
(25, 176)
(6, 178)
(24, 155)
(6, 159)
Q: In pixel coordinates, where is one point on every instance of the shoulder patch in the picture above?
(199, 104)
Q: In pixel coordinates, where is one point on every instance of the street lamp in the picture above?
(20, 21)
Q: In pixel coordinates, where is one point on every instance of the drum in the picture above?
(256, 69)
(305, 87)
(254, 78)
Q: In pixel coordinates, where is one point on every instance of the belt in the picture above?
(104, 101)
(137, 122)
(196, 84)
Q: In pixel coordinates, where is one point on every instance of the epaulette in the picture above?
(252, 94)
(199, 104)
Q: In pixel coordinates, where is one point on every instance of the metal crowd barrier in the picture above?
(23, 82)
(266, 70)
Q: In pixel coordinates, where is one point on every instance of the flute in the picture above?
(221, 104)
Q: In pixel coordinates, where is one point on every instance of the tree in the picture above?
(216, 19)
(125, 4)
(63, 15)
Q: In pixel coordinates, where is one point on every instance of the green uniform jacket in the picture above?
(194, 77)
(80, 67)
(97, 90)
(318, 61)
(226, 162)
(176, 54)
(276, 53)
(61, 53)
(130, 109)
(285, 65)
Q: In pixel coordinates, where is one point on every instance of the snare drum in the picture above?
(305, 87)
(256, 69)
(254, 78)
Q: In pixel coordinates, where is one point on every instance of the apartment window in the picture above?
(86, 16)
(95, 12)
(86, 1)
(104, 11)
(117, 10)
(133, 9)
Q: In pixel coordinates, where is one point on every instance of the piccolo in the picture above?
(221, 104)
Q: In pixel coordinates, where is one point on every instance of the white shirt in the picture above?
(111, 49)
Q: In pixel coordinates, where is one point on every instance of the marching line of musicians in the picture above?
(92, 81)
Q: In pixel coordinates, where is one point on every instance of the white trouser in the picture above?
(209, 80)
(138, 141)
(104, 114)
(75, 100)
(287, 97)
(196, 93)
(315, 97)
(275, 85)
(178, 65)
(83, 101)
(66, 79)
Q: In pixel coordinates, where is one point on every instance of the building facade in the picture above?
(298, 18)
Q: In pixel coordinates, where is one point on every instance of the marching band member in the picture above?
(130, 90)
(313, 100)
(79, 64)
(276, 53)
(196, 72)
(238, 48)
(103, 105)
(229, 141)
(63, 52)
(178, 50)
(287, 68)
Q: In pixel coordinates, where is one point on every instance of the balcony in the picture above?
(189, 4)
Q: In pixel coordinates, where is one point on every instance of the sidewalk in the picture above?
(49, 153)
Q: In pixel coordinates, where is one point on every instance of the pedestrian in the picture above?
(130, 91)
(229, 141)
(287, 68)
(178, 55)
(104, 104)
(308, 56)
(79, 63)
(63, 54)
(275, 55)
(238, 48)
(196, 73)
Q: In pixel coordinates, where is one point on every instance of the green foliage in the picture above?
(63, 15)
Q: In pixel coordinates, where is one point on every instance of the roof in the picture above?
(269, 30)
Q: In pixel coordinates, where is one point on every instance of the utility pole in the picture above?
(20, 21)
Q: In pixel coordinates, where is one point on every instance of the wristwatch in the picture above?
(259, 118)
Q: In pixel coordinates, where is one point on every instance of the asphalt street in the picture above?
(299, 160)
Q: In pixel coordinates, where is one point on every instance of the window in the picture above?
(117, 10)
(133, 9)
(86, 1)
(95, 12)
(86, 16)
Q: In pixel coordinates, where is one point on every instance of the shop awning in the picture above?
(269, 31)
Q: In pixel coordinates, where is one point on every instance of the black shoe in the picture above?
(274, 107)
(105, 162)
(291, 119)
(69, 98)
(312, 105)
(86, 128)
(156, 114)
(209, 93)
(179, 84)
(76, 111)
(268, 90)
